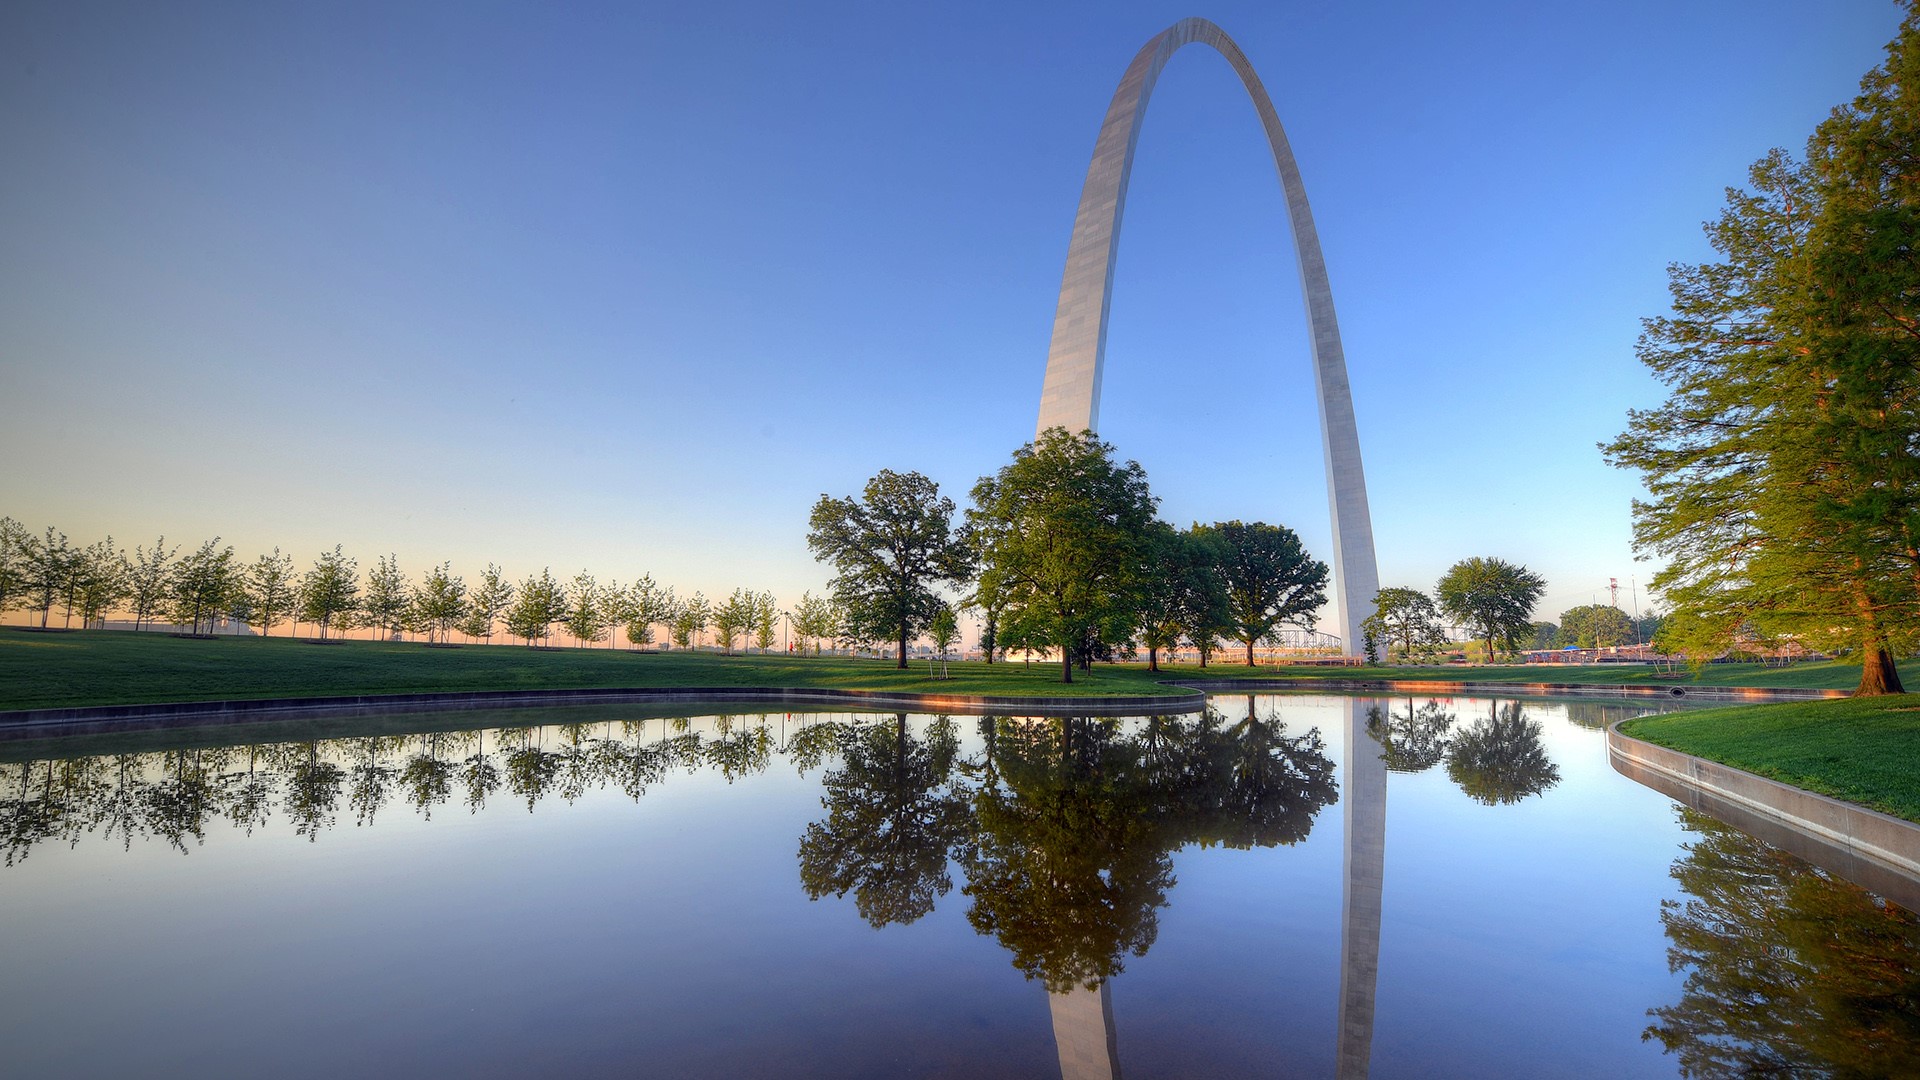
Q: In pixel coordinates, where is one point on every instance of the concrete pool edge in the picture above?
(1530, 689)
(40, 723)
(1878, 851)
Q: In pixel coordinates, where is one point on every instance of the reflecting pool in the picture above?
(1312, 886)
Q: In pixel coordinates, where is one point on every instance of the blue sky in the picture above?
(627, 287)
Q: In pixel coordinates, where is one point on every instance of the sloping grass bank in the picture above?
(1863, 750)
(125, 668)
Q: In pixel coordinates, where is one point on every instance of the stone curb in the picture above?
(41, 723)
(1879, 838)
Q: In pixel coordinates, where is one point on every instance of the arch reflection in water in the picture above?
(1083, 1028)
(1363, 882)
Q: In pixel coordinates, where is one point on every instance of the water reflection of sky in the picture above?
(673, 935)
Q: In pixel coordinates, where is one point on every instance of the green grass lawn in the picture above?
(1823, 675)
(122, 668)
(1864, 750)
(118, 668)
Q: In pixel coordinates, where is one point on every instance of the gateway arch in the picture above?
(1070, 396)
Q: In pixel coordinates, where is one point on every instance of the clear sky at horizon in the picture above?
(626, 287)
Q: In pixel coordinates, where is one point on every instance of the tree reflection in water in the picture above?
(1077, 820)
(1499, 760)
(1066, 867)
(892, 819)
(175, 795)
(1600, 715)
(1064, 827)
(1789, 970)
(427, 778)
(1412, 741)
(313, 785)
(1065, 830)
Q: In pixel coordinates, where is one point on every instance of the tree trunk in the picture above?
(1877, 674)
(1066, 664)
(1153, 658)
(1249, 652)
(903, 645)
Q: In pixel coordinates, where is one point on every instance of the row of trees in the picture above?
(197, 589)
(1061, 550)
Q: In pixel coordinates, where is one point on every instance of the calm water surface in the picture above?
(1286, 886)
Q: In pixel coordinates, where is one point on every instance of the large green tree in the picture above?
(1064, 535)
(1270, 580)
(890, 550)
(1183, 595)
(1407, 618)
(1783, 470)
(1595, 626)
(1492, 598)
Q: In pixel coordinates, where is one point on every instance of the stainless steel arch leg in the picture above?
(1070, 394)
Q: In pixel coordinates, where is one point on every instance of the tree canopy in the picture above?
(1407, 618)
(1064, 535)
(1595, 626)
(1492, 598)
(1269, 578)
(1783, 470)
(890, 550)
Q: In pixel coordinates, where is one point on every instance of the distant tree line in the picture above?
(197, 589)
